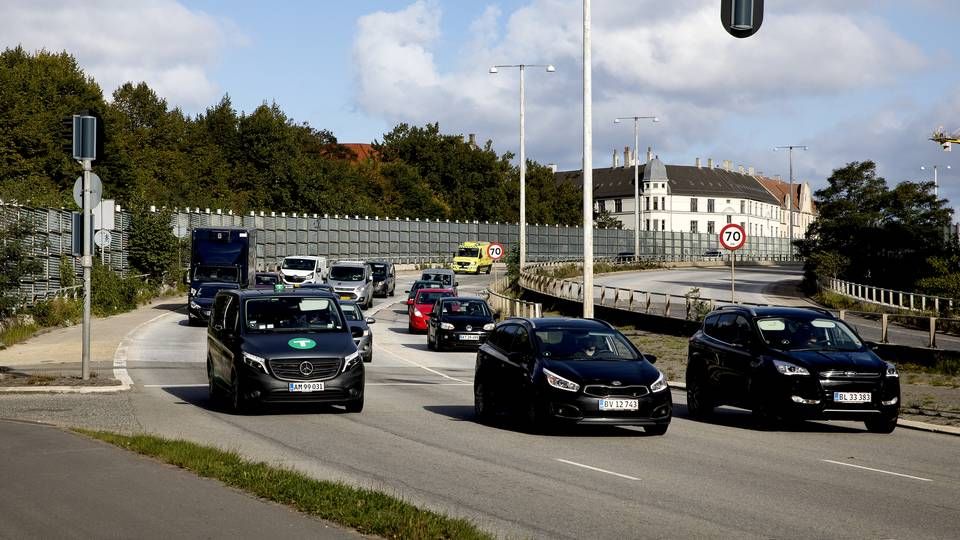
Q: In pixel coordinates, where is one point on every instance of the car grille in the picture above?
(463, 264)
(845, 375)
(288, 369)
(474, 327)
(295, 279)
(600, 390)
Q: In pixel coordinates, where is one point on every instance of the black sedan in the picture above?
(200, 300)
(359, 328)
(789, 363)
(579, 371)
(459, 322)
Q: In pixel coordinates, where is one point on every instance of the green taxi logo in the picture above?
(302, 343)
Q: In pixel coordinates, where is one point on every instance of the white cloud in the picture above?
(170, 47)
(668, 58)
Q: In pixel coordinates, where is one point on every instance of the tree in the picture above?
(604, 220)
(16, 261)
(153, 246)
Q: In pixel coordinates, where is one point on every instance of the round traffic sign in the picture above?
(495, 251)
(96, 190)
(103, 238)
(732, 236)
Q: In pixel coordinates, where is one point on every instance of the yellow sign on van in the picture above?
(472, 258)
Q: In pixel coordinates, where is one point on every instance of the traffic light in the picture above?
(741, 18)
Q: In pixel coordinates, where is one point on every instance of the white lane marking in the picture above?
(175, 385)
(876, 470)
(417, 384)
(120, 355)
(435, 372)
(575, 464)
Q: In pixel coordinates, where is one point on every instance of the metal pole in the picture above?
(523, 181)
(936, 186)
(636, 187)
(87, 263)
(791, 198)
(587, 168)
(733, 277)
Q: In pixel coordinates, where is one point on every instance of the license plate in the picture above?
(345, 297)
(619, 404)
(469, 337)
(306, 387)
(852, 397)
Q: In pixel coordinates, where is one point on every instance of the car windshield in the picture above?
(379, 270)
(465, 308)
(229, 274)
(794, 334)
(417, 285)
(442, 278)
(429, 297)
(266, 279)
(298, 264)
(583, 345)
(293, 313)
(472, 253)
(209, 291)
(351, 312)
(346, 273)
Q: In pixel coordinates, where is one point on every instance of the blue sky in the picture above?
(853, 79)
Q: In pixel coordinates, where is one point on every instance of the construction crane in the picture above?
(945, 140)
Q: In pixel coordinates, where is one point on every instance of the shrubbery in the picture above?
(113, 294)
(58, 311)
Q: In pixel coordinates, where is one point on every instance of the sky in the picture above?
(852, 80)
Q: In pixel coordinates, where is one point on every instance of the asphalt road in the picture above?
(417, 438)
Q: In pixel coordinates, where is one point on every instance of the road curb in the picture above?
(909, 424)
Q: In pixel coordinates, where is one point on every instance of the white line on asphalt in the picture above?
(175, 385)
(876, 470)
(435, 372)
(575, 464)
(120, 355)
(417, 384)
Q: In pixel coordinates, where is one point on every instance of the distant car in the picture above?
(577, 371)
(359, 328)
(789, 363)
(712, 254)
(200, 300)
(624, 257)
(444, 275)
(282, 347)
(384, 278)
(266, 280)
(352, 280)
(299, 269)
(417, 285)
(458, 322)
(422, 306)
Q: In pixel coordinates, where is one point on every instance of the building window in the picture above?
(646, 202)
(743, 207)
(602, 205)
(693, 204)
(618, 205)
(711, 228)
(656, 203)
(647, 226)
(729, 219)
(693, 226)
(663, 203)
(655, 223)
(710, 205)
(663, 224)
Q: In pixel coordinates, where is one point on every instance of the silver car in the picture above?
(352, 280)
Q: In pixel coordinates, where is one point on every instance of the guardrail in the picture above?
(510, 307)
(888, 297)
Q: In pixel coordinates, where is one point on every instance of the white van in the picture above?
(300, 269)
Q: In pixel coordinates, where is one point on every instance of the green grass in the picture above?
(367, 511)
(573, 270)
(18, 333)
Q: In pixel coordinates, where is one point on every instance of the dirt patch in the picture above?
(20, 379)
(671, 351)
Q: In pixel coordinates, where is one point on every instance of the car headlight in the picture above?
(366, 332)
(256, 362)
(660, 384)
(194, 305)
(892, 370)
(351, 360)
(488, 326)
(557, 381)
(417, 312)
(446, 326)
(786, 368)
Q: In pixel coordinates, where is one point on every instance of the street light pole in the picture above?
(790, 148)
(587, 167)
(636, 178)
(936, 183)
(523, 154)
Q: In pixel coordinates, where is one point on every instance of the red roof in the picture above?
(361, 150)
(780, 190)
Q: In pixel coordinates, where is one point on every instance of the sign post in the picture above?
(85, 151)
(732, 238)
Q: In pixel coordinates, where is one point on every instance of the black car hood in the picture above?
(604, 371)
(277, 344)
(860, 361)
(203, 301)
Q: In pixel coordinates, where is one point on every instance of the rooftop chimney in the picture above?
(472, 140)
(649, 154)
(698, 163)
(552, 167)
(740, 169)
(709, 162)
(627, 157)
(751, 171)
(616, 159)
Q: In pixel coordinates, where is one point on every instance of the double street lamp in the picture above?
(936, 185)
(636, 176)
(523, 154)
(790, 148)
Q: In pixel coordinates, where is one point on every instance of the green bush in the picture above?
(58, 311)
(68, 277)
(112, 294)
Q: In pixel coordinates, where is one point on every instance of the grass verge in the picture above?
(17, 333)
(369, 512)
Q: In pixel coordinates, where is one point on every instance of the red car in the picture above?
(422, 306)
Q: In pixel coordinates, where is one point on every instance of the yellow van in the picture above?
(472, 258)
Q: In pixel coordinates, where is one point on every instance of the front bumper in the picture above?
(417, 323)
(381, 287)
(578, 408)
(203, 313)
(813, 397)
(260, 387)
(461, 338)
(469, 268)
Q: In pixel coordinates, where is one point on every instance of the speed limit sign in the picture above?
(495, 251)
(732, 236)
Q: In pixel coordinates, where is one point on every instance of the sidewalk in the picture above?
(58, 352)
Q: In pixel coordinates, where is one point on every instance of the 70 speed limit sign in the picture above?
(495, 251)
(732, 236)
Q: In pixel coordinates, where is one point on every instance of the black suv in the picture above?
(580, 371)
(384, 278)
(200, 300)
(458, 322)
(789, 362)
(289, 346)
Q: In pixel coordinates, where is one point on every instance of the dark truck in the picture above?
(219, 256)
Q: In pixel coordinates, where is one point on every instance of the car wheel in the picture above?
(214, 391)
(410, 328)
(482, 404)
(191, 320)
(534, 419)
(658, 429)
(355, 406)
(699, 404)
(881, 424)
(238, 403)
(430, 344)
(437, 344)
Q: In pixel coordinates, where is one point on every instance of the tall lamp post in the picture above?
(636, 176)
(790, 148)
(523, 155)
(936, 184)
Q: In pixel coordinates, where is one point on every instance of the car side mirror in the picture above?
(371, 320)
(650, 358)
(456, 283)
(406, 292)
(409, 301)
